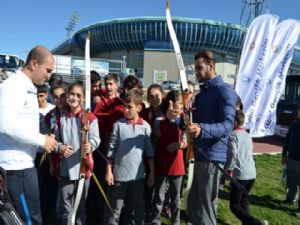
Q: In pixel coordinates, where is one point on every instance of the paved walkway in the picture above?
(271, 145)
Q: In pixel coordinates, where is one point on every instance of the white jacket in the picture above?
(19, 123)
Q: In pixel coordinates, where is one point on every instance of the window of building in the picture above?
(232, 76)
(230, 59)
(119, 56)
(218, 58)
(139, 55)
(188, 58)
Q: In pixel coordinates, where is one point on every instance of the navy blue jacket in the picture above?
(292, 142)
(215, 112)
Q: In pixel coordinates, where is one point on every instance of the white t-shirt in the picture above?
(49, 107)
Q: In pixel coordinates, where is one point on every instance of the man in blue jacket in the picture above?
(213, 122)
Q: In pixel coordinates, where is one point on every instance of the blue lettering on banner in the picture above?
(258, 81)
(278, 86)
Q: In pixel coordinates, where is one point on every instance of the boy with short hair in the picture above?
(42, 95)
(43, 167)
(96, 88)
(239, 155)
(108, 110)
(129, 141)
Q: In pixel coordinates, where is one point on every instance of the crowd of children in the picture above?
(130, 133)
(137, 153)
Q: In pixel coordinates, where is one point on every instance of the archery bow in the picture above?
(185, 95)
(84, 129)
(85, 163)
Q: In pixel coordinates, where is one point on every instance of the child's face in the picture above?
(191, 92)
(155, 97)
(42, 98)
(95, 87)
(178, 104)
(111, 88)
(75, 98)
(132, 110)
(59, 98)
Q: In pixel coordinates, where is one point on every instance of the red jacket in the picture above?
(166, 163)
(108, 111)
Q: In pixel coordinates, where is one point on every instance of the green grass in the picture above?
(264, 198)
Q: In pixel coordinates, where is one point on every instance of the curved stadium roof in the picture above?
(152, 33)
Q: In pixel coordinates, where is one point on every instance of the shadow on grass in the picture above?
(266, 201)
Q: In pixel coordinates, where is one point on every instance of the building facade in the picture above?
(144, 43)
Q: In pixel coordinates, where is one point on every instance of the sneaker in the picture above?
(264, 222)
(297, 212)
(166, 212)
(287, 202)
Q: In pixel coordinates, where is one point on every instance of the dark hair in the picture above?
(95, 77)
(55, 78)
(173, 96)
(191, 83)
(155, 86)
(239, 117)
(133, 96)
(131, 82)
(39, 53)
(111, 76)
(239, 103)
(77, 83)
(41, 88)
(207, 56)
(63, 85)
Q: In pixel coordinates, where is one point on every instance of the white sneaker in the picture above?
(264, 222)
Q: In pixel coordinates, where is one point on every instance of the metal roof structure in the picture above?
(152, 33)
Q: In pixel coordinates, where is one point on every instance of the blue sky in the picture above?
(27, 23)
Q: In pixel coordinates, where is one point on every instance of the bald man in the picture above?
(19, 132)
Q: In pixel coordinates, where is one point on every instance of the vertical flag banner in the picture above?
(254, 59)
(282, 49)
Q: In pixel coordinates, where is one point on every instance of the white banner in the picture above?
(254, 59)
(283, 45)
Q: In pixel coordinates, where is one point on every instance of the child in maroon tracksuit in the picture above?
(155, 96)
(169, 160)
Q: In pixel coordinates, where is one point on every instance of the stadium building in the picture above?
(144, 43)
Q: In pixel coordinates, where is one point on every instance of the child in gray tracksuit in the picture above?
(68, 130)
(240, 161)
(129, 142)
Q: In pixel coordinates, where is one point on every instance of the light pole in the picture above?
(123, 63)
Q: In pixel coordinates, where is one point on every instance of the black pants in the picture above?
(239, 203)
(25, 183)
(48, 186)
